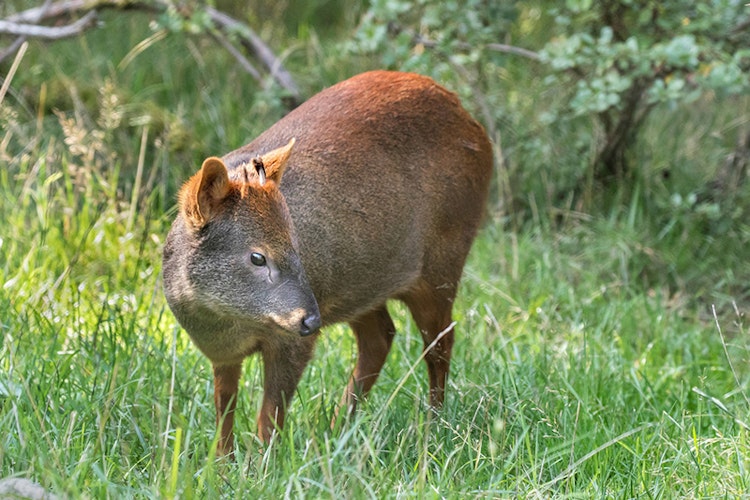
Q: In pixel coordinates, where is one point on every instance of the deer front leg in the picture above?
(282, 369)
(226, 382)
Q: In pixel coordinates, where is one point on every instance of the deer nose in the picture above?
(310, 324)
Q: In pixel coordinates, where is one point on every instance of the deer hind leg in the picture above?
(374, 332)
(431, 309)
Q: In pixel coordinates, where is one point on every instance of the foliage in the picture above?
(625, 57)
(456, 33)
(605, 67)
(448, 41)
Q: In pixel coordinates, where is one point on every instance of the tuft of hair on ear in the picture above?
(274, 162)
(201, 197)
(260, 169)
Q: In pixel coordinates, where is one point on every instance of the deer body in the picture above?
(385, 179)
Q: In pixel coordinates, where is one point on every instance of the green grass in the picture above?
(588, 361)
(568, 378)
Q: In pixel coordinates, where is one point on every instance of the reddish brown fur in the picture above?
(380, 198)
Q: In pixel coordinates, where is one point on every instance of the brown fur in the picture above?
(379, 198)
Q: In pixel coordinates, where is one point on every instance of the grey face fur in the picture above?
(238, 271)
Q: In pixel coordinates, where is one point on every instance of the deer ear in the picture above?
(274, 162)
(201, 197)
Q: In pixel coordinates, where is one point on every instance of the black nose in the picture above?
(310, 324)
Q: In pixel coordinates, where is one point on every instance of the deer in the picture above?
(372, 190)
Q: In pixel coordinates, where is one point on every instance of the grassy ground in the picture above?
(567, 379)
(588, 361)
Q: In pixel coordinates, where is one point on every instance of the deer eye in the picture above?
(258, 259)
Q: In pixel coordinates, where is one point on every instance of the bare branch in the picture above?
(256, 46)
(50, 33)
(57, 9)
(496, 47)
(25, 23)
(16, 45)
(65, 7)
(242, 60)
(510, 49)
